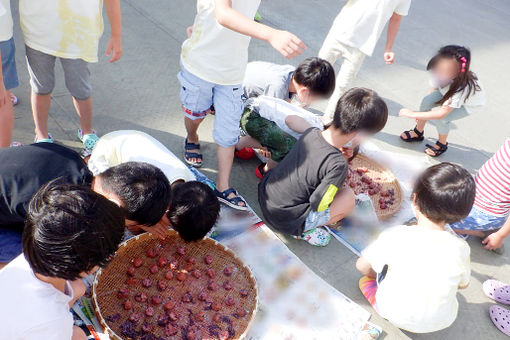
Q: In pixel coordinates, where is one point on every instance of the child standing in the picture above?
(353, 36)
(213, 62)
(69, 31)
(490, 216)
(8, 74)
(39, 287)
(304, 192)
(456, 93)
(412, 273)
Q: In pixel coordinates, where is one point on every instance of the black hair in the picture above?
(317, 75)
(445, 193)
(143, 189)
(69, 230)
(193, 210)
(465, 78)
(360, 109)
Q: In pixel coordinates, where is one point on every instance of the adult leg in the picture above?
(10, 80)
(351, 64)
(229, 108)
(41, 68)
(77, 78)
(6, 124)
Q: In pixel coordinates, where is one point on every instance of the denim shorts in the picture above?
(10, 244)
(41, 67)
(480, 221)
(198, 96)
(9, 64)
(317, 219)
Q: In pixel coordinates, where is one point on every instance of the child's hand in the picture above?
(493, 241)
(286, 43)
(406, 113)
(160, 230)
(189, 31)
(389, 57)
(114, 49)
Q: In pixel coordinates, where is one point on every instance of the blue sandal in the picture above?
(231, 202)
(189, 155)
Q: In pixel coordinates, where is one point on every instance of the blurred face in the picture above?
(303, 97)
(444, 72)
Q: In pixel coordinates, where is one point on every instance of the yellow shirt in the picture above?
(63, 28)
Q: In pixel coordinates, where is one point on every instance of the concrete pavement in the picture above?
(141, 92)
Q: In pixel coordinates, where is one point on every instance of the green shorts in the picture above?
(267, 133)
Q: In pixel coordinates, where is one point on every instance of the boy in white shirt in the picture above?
(353, 36)
(38, 288)
(213, 63)
(69, 31)
(412, 273)
(8, 74)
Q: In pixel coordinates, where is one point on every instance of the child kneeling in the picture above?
(412, 273)
(69, 233)
(304, 192)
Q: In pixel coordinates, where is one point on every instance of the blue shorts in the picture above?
(317, 219)
(9, 64)
(199, 96)
(10, 244)
(478, 220)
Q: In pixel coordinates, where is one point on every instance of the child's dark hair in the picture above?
(194, 210)
(465, 78)
(360, 109)
(143, 189)
(317, 75)
(445, 193)
(69, 230)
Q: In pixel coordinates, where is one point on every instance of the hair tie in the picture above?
(463, 65)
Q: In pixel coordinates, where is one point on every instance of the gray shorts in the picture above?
(41, 67)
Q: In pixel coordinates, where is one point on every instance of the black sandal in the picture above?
(437, 152)
(233, 202)
(419, 136)
(189, 155)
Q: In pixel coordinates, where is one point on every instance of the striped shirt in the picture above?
(493, 183)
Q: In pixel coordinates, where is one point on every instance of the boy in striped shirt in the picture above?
(489, 217)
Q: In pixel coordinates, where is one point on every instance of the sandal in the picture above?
(189, 155)
(419, 136)
(44, 140)
(437, 152)
(231, 202)
(259, 171)
(501, 318)
(489, 287)
(89, 140)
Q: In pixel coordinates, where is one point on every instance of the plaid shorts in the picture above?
(267, 133)
(478, 220)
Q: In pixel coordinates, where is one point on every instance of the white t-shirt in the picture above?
(425, 269)
(123, 146)
(63, 28)
(472, 104)
(5, 20)
(32, 309)
(215, 53)
(361, 22)
(277, 110)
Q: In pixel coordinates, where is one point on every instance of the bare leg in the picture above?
(442, 139)
(191, 129)
(78, 334)
(476, 233)
(6, 124)
(40, 109)
(420, 126)
(84, 111)
(342, 205)
(225, 162)
(2, 264)
(248, 142)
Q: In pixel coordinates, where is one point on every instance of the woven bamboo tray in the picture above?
(109, 306)
(385, 182)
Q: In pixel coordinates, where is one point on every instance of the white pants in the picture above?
(352, 58)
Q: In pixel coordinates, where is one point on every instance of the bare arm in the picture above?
(296, 123)
(364, 267)
(284, 42)
(440, 113)
(393, 27)
(114, 47)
